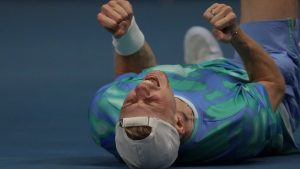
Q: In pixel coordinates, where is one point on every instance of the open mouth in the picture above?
(152, 79)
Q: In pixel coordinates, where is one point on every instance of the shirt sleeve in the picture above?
(240, 125)
(260, 127)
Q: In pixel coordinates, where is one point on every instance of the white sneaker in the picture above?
(200, 45)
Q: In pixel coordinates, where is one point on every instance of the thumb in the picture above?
(122, 29)
(217, 34)
(220, 35)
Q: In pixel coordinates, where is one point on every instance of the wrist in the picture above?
(235, 34)
(131, 42)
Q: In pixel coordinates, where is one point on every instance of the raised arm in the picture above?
(133, 54)
(258, 64)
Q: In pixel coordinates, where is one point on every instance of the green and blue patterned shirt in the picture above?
(234, 118)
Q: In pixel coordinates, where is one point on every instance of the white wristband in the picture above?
(131, 42)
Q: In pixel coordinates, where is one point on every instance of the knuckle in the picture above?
(220, 6)
(105, 7)
(114, 25)
(99, 16)
(121, 2)
(126, 16)
(130, 13)
(218, 26)
(119, 19)
(232, 16)
(125, 5)
(129, 7)
(112, 3)
(228, 8)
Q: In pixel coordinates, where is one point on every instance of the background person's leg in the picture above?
(272, 23)
(254, 10)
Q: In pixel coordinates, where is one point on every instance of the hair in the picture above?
(138, 132)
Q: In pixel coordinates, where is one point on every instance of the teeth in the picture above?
(148, 81)
(151, 81)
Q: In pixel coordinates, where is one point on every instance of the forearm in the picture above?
(257, 62)
(259, 66)
(132, 52)
(136, 62)
(268, 10)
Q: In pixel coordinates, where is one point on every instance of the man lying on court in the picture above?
(222, 110)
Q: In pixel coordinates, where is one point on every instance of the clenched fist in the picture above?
(223, 19)
(116, 16)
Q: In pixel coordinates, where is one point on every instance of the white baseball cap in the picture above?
(156, 151)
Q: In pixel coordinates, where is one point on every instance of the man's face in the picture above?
(152, 97)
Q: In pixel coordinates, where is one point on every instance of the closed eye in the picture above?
(126, 104)
(129, 101)
(152, 101)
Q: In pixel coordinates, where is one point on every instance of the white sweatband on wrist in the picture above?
(131, 42)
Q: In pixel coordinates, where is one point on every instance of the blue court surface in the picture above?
(54, 56)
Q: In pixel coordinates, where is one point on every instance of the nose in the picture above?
(142, 91)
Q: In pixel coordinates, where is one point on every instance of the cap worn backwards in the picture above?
(156, 151)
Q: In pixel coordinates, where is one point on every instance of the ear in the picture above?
(179, 124)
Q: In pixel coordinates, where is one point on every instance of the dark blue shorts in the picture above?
(280, 39)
